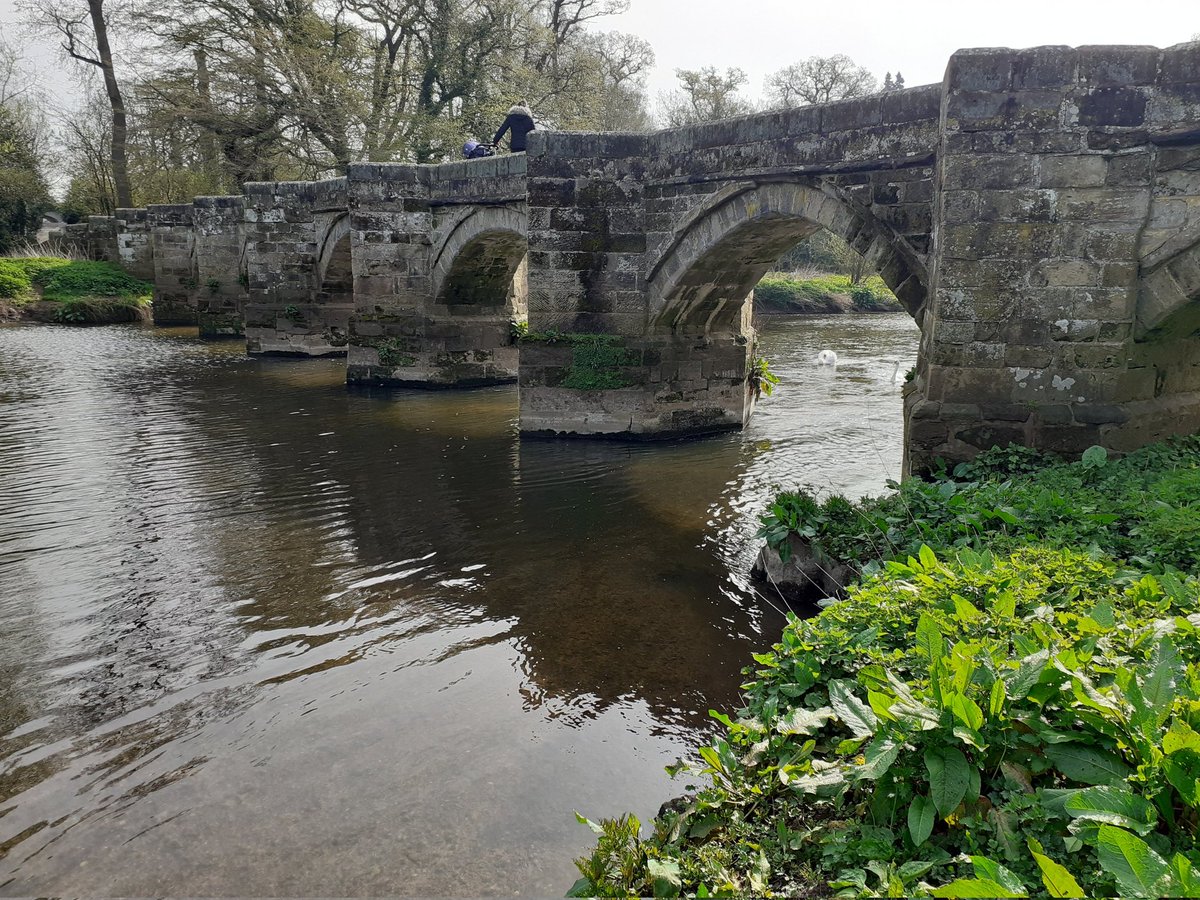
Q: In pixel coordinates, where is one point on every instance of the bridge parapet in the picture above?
(134, 252)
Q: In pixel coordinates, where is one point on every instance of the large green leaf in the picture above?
(990, 870)
(966, 711)
(1181, 736)
(1184, 877)
(1020, 681)
(1087, 764)
(920, 820)
(1182, 769)
(929, 639)
(804, 721)
(1113, 805)
(1130, 860)
(879, 757)
(975, 887)
(1161, 683)
(949, 777)
(665, 876)
(855, 714)
(1058, 881)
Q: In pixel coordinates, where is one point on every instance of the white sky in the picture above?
(761, 36)
(914, 36)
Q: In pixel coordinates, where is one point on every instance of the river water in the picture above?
(263, 635)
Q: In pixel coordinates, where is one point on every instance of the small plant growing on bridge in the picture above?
(518, 330)
(214, 286)
(596, 363)
(760, 377)
(292, 313)
(392, 354)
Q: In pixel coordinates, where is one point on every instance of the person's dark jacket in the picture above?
(520, 122)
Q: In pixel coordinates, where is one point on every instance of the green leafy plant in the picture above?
(964, 713)
(293, 313)
(214, 286)
(760, 378)
(1145, 505)
(1015, 713)
(518, 330)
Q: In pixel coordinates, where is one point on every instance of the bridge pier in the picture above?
(298, 300)
(439, 272)
(221, 278)
(1068, 257)
(172, 237)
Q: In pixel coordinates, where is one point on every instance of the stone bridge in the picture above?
(1037, 213)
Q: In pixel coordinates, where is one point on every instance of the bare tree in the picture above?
(820, 79)
(84, 35)
(704, 96)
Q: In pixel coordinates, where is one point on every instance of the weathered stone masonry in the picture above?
(437, 251)
(1038, 214)
(1065, 267)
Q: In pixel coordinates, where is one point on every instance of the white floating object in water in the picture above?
(826, 358)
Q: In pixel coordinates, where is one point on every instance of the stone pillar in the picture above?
(172, 239)
(72, 240)
(594, 363)
(438, 272)
(102, 239)
(135, 254)
(1047, 175)
(286, 313)
(220, 268)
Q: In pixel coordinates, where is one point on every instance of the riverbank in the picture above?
(70, 292)
(1003, 705)
(783, 293)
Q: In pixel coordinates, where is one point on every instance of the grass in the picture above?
(823, 293)
(81, 291)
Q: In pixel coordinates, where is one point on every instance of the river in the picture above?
(263, 635)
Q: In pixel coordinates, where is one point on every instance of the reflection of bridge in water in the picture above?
(1038, 214)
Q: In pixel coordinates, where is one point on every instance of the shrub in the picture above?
(1004, 720)
(1144, 506)
(992, 726)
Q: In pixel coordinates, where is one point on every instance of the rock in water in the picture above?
(809, 574)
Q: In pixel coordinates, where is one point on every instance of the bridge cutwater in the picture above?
(1037, 213)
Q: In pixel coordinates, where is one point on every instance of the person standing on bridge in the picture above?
(520, 122)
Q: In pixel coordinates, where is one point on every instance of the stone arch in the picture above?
(334, 275)
(477, 266)
(701, 279)
(1169, 290)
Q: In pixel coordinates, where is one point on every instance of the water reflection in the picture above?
(259, 634)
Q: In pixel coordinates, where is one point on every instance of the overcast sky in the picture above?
(761, 36)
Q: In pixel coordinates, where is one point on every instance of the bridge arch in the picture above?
(333, 255)
(476, 266)
(724, 248)
(1169, 291)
